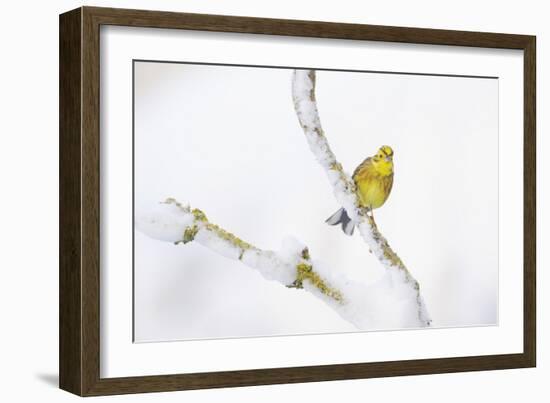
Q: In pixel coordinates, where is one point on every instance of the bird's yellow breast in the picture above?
(373, 186)
(373, 192)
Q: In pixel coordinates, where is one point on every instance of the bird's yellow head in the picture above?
(383, 160)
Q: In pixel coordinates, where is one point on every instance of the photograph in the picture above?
(292, 200)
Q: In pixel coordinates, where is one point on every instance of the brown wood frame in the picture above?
(79, 201)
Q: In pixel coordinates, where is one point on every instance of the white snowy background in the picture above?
(227, 140)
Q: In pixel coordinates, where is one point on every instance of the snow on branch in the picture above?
(303, 93)
(376, 306)
(291, 266)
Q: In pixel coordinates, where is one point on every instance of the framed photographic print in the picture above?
(249, 201)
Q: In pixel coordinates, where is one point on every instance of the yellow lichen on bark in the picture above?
(304, 270)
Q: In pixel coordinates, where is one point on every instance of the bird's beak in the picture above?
(388, 159)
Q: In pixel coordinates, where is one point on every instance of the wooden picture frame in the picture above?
(80, 185)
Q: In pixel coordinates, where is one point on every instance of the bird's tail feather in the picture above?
(341, 217)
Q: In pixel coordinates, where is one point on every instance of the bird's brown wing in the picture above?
(387, 183)
(360, 168)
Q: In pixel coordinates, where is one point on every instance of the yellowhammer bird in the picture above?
(374, 180)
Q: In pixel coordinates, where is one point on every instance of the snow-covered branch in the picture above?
(376, 306)
(291, 266)
(303, 93)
